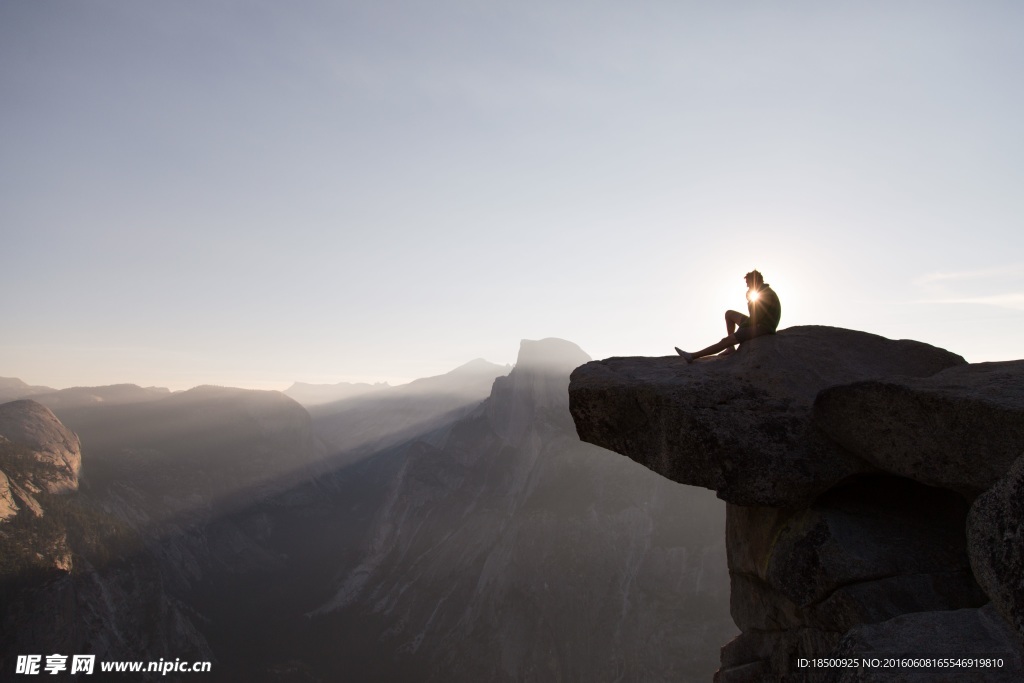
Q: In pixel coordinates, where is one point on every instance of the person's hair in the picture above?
(756, 277)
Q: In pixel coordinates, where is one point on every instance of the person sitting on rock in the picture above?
(765, 311)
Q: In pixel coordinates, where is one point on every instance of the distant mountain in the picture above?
(371, 422)
(114, 394)
(318, 394)
(12, 388)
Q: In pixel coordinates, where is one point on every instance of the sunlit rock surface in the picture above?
(57, 453)
(851, 462)
(8, 507)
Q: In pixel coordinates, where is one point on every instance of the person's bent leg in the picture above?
(733, 319)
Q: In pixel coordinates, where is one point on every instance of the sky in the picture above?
(256, 193)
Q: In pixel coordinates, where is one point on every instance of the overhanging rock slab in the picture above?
(741, 424)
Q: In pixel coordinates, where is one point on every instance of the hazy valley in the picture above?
(451, 529)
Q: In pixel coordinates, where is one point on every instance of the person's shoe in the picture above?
(688, 357)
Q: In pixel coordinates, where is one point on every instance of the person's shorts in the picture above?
(750, 331)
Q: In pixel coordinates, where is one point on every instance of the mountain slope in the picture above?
(509, 550)
(194, 451)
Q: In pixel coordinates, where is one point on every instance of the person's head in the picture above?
(754, 279)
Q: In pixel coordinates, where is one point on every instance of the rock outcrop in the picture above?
(741, 425)
(850, 463)
(57, 453)
(40, 460)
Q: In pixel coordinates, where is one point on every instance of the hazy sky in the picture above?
(251, 193)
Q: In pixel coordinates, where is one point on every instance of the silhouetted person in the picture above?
(765, 311)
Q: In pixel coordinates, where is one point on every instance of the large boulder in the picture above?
(961, 428)
(995, 533)
(56, 454)
(741, 424)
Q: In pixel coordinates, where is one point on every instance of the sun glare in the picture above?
(752, 296)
